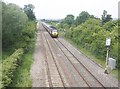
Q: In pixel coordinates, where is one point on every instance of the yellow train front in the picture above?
(51, 30)
(54, 33)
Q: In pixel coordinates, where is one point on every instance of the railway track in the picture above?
(98, 84)
(76, 81)
(46, 62)
(96, 81)
(64, 69)
(50, 69)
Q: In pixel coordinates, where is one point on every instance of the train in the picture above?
(51, 30)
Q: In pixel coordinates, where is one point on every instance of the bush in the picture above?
(92, 36)
(9, 66)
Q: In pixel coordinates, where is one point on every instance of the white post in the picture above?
(107, 56)
(108, 40)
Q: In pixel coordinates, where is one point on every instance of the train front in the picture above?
(54, 33)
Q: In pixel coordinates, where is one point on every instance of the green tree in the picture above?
(106, 17)
(108, 26)
(69, 19)
(28, 9)
(83, 16)
(14, 20)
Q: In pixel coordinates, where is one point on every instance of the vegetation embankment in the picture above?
(89, 34)
(18, 40)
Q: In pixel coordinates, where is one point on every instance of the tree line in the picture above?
(18, 33)
(15, 22)
(83, 16)
(90, 33)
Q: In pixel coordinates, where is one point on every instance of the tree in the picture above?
(105, 17)
(69, 19)
(28, 9)
(13, 20)
(83, 16)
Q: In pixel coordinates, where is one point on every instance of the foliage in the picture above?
(88, 32)
(25, 42)
(105, 17)
(28, 34)
(83, 16)
(18, 33)
(28, 9)
(69, 19)
(91, 36)
(14, 20)
(9, 66)
(110, 25)
(22, 74)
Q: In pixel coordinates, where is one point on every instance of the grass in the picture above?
(22, 74)
(99, 61)
(115, 74)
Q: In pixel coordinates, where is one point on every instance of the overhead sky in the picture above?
(58, 9)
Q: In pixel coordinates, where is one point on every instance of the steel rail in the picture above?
(54, 61)
(80, 63)
(48, 70)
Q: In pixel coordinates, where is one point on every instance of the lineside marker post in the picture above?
(107, 69)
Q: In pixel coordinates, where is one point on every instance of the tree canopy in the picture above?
(17, 28)
(106, 17)
(28, 9)
(14, 20)
(69, 19)
(17, 39)
(83, 16)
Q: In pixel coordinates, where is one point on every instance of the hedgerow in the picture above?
(91, 35)
(9, 66)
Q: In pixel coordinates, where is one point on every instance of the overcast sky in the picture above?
(58, 9)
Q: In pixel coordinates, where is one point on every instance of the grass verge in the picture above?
(22, 74)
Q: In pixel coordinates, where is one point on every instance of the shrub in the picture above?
(9, 66)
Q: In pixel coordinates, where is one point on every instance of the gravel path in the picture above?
(38, 69)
